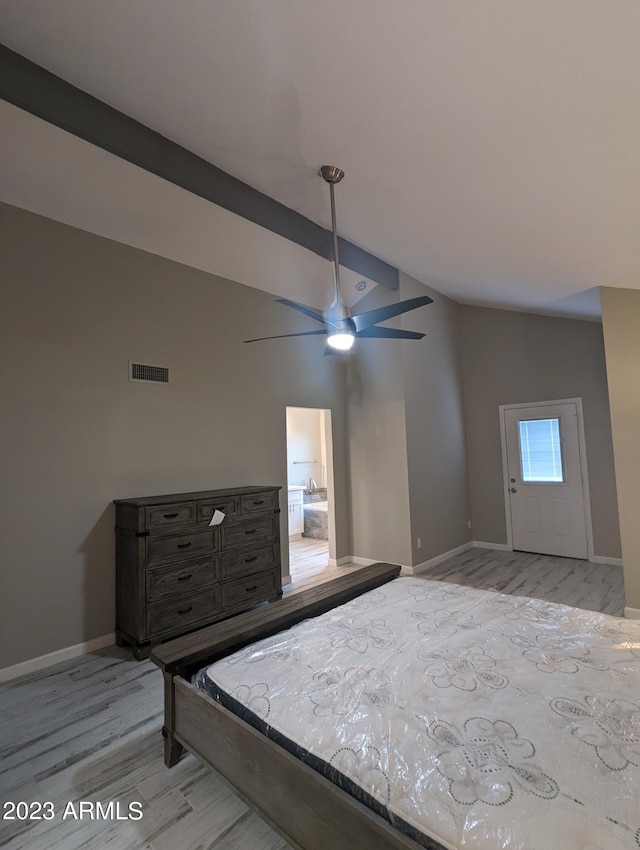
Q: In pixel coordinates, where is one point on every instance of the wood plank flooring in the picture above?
(596, 587)
(307, 557)
(89, 730)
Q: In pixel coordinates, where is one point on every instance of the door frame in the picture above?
(326, 424)
(582, 449)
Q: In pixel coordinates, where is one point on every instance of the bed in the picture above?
(417, 714)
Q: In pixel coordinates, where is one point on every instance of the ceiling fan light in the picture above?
(341, 341)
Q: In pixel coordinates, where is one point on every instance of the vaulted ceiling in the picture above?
(491, 148)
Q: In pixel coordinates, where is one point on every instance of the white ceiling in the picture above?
(491, 148)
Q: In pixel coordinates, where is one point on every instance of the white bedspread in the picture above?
(483, 720)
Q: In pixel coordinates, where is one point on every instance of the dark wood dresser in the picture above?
(175, 572)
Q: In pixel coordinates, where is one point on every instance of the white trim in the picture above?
(346, 560)
(326, 427)
(505, 474)
(632, 613)
(42, 661)
(582, 452)
(604, 559)
(286, 580)
(504, 547)
(361, 562)
(432, 562)
(586, 494)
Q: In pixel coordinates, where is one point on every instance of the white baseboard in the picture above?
(603, 559)
(632, 613)
(504, 547)
(432, 562)
(339, 562)
(286, 580)
(425, 565)
(42, 661)
(351, 559)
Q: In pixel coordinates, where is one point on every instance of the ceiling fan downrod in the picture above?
(332, 175)
(340, 325)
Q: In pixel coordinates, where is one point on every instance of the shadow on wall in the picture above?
(99, 550)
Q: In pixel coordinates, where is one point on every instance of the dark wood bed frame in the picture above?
(309, 811)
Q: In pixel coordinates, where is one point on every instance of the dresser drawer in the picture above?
(246, 561)
(168, 516)
(177, 579)
(181, 613)
(258, 502)
(249, 532)
(180, 546)
(246, 592)
(206, 507)
(171, 564)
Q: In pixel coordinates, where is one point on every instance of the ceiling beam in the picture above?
(36, 90)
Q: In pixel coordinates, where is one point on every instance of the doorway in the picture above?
(545, 475)
(310, 491)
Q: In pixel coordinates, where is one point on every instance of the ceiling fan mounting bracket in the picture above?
(331, 173)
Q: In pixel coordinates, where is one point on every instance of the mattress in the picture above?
(467, 718)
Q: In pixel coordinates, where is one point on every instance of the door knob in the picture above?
(513, 489)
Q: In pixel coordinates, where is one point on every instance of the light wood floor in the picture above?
(89, 730)
(596, 587)
(307, 558)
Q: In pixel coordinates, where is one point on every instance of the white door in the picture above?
(544, 474)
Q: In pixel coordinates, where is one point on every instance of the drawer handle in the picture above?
(249, 589)
(259, 502)
(185, 610)
(170, 516)
(184, 545)
(185, 578)
(252, 531)
(251, 560)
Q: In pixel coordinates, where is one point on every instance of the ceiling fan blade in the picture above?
(284, 336)
(387, 333)
(380, 314)
(308, 311)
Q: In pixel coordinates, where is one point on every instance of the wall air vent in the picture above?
(147, 373)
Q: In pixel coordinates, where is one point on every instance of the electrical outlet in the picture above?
(469, 524)
(419, 542)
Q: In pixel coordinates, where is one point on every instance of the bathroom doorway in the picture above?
(310, 491)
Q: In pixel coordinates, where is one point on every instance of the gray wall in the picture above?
(378, 446)
(621, 324)
(513, 357)
(76, 434)
(406, 436)
(438, 481)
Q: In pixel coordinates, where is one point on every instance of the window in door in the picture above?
(541, 459)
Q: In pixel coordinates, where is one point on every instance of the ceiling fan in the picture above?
(341, 326)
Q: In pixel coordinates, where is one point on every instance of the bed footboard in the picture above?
(308, 810)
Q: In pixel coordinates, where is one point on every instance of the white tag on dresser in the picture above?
(217, 518)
